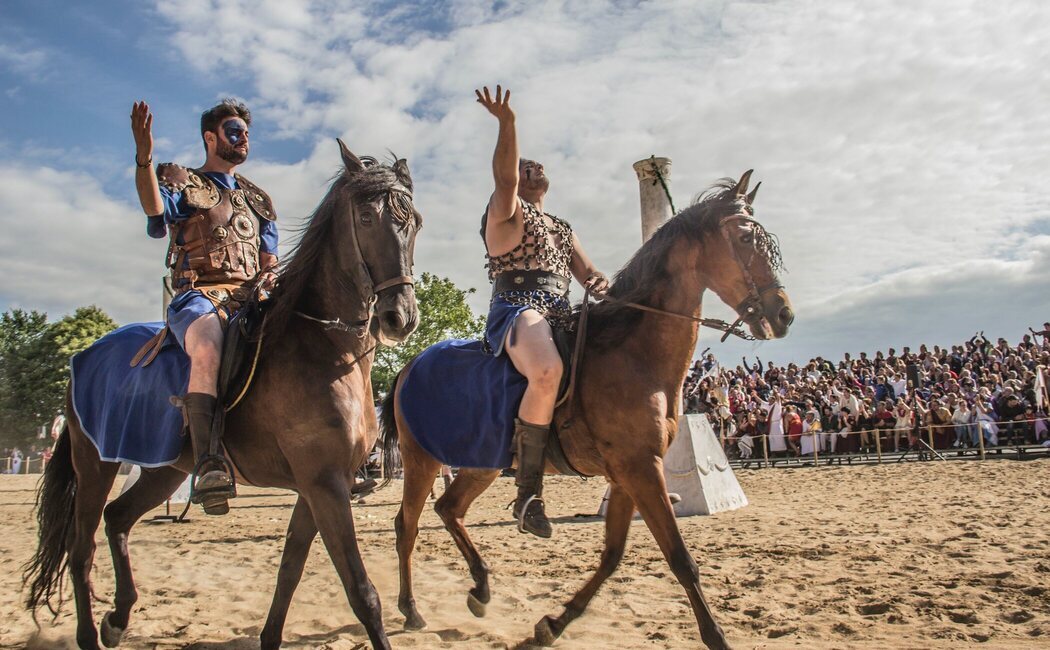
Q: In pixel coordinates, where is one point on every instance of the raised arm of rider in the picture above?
(145, 176)
(504, 204)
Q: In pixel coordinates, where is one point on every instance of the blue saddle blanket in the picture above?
(126, 411)
(460, 402)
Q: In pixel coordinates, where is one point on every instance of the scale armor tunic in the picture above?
(546, 245)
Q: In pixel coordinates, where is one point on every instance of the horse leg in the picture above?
(301, 533)
(329, 499)
(452, 507)
(94, 480)
(419, 470)
(645, 483)
(152, 488)
(618, 514)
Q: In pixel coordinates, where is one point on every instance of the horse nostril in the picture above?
(393, 320)
(786, 315)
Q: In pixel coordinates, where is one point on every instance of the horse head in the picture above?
(376, 242)
(741, 261)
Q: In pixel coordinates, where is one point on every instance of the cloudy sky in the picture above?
(903, 146)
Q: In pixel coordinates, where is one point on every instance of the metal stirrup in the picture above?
(524, 509)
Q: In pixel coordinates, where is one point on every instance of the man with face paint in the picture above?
(223, 234)
(531, 255)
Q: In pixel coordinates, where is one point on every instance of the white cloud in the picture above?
(901, 144)
(66, 244)
(23, 60)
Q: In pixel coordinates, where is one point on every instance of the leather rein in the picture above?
(363, 282)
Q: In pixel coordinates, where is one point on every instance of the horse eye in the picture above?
(748, 238)
(366, 218)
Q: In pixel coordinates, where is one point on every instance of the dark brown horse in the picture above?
(306, 424)
(625, 410)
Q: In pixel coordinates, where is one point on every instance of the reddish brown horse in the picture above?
(306, 424)
(625, 410)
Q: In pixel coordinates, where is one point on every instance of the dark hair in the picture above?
(229, 107)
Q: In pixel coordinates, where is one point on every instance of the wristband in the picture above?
(149, 161)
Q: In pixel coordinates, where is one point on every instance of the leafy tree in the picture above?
(443, 314)
(34, 366)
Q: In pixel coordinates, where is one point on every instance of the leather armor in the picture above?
(220, 240)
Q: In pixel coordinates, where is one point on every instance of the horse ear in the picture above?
(741, 186)
(403, 175)
(751, 196)
(352, 162)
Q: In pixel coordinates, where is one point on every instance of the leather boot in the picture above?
(530, 444)
(214, 485)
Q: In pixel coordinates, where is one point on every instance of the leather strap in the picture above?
(393, 282)
(531, 281)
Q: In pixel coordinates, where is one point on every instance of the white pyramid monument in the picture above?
(695, 467)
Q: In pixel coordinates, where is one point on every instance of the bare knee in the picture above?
(545, 377)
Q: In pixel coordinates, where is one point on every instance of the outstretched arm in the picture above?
(145, 177)
(504, 205)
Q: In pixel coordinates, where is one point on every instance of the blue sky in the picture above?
(902, 146)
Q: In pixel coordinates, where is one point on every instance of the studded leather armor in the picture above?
(546, 245)
(220, 240)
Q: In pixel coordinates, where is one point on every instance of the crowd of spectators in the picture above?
(14, 460)
(964, 392)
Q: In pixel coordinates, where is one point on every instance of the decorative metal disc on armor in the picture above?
(221, 295)
(238, 200)
(220, 233)
(243, 226)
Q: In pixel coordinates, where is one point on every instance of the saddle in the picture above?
(241, 347)
(569, 342)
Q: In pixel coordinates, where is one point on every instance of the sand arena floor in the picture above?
(931, 555)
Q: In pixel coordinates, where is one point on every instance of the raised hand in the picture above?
(500, 106)
(142, 130)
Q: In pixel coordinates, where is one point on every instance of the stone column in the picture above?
(656, 208)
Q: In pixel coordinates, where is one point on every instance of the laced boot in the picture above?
(530, 443)
(214, 485)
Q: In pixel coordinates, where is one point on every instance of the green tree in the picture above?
(34, 366)
(443, 314)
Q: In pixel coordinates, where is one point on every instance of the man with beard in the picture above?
(223, 235)
(530, 256)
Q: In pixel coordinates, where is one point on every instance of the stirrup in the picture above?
(524, 509)
(200, 496)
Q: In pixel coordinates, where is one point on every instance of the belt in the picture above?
(531, 281)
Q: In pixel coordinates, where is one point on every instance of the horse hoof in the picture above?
(476, 607)
(414, 622)
(544, 634)
(111, 634)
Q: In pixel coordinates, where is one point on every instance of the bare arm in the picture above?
(504, 205)
(585, 272)
(145, 177)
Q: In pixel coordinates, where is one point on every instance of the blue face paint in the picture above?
(235, 132)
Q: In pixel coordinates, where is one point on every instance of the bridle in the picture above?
(750, 310)
(362, 281)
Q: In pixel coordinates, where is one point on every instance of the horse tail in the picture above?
(388, 425)
(55, 500)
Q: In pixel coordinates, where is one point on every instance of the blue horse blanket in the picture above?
(460, 402)
(125, 411)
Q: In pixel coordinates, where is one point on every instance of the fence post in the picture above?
(878, 445)
(929, 434)
(980, 437)
(765, 448)
(816, 443)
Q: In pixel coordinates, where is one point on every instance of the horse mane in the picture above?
(611, 322)
(297, 270)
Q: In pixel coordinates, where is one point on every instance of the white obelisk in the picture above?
(695, 467)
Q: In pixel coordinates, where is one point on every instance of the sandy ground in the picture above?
(930, 555)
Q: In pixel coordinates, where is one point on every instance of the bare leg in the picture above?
(452, 508)
(204, 348)
(419, 479)
(301, 534)
(618, 515)
(152, 488)
(644, 480)
(329, 499)
(530, 346)
(94, 480)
